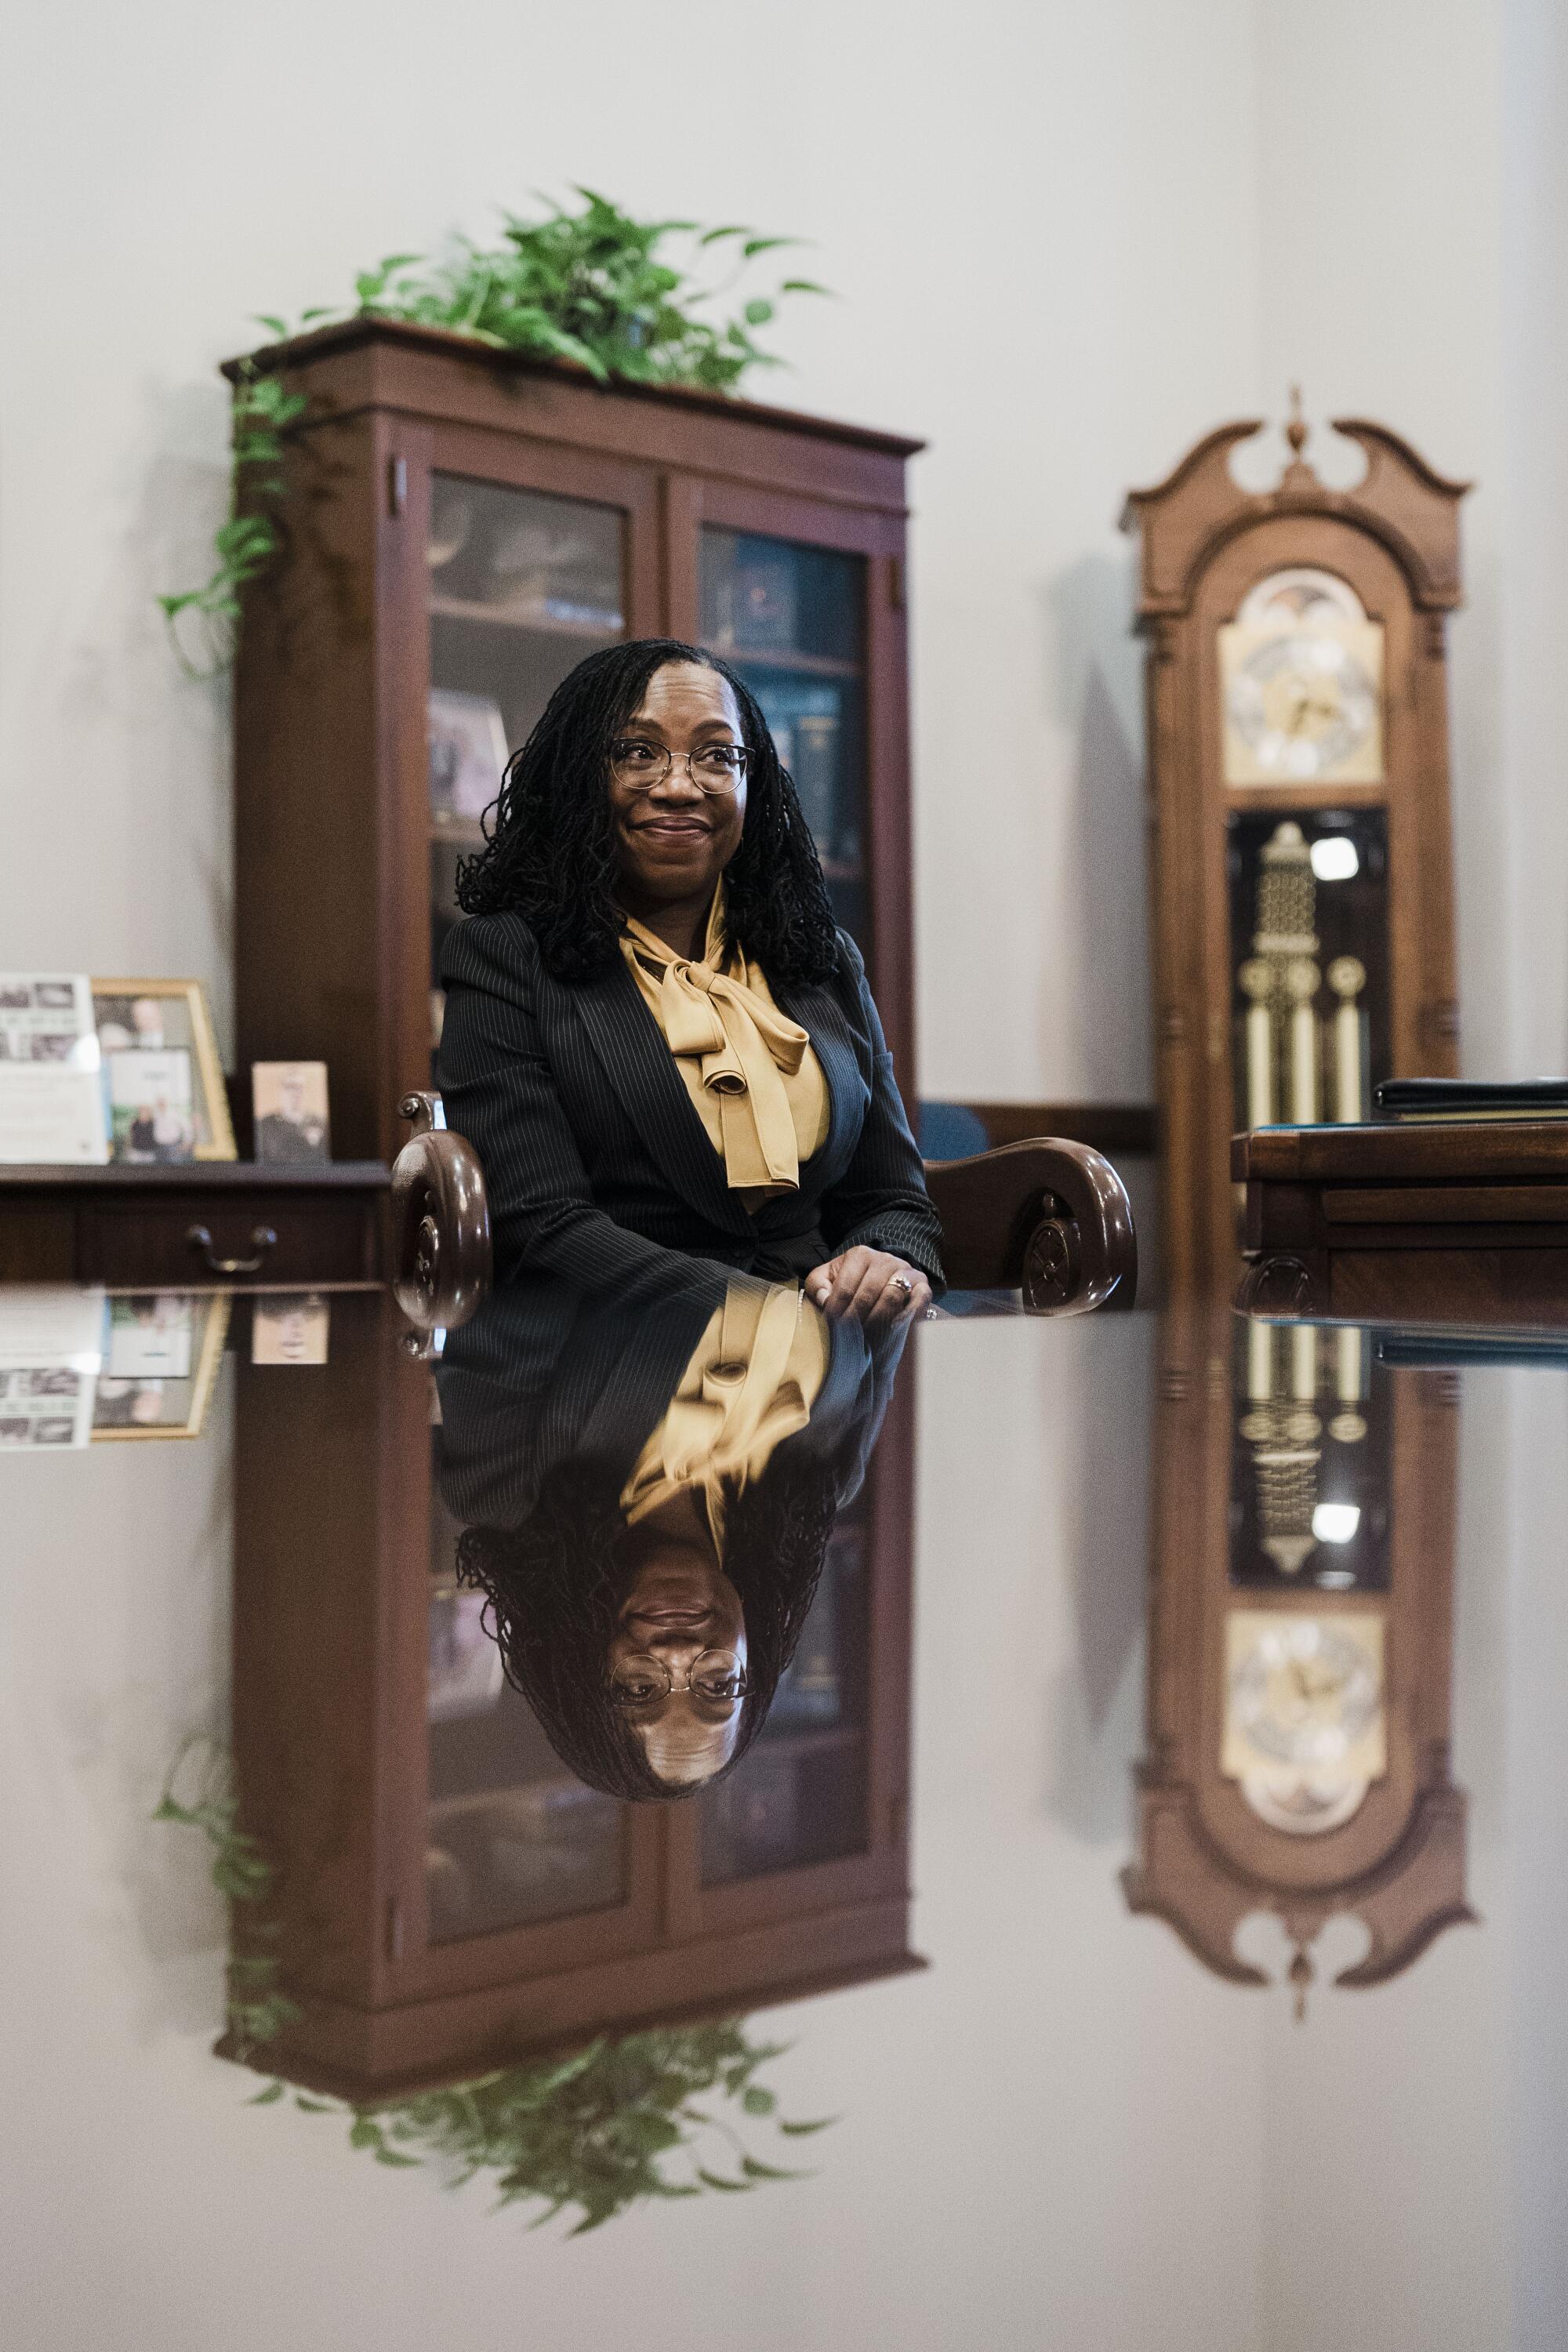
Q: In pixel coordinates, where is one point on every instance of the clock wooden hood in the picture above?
(1340, 692)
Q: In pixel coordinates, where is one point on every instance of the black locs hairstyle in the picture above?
(550, 854)
(555, 1583)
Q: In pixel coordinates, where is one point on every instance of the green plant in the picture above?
(590, 286)
(248, 538)
(256, 2011)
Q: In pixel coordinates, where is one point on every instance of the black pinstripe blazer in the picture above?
(542, 1376)
(598, 1166)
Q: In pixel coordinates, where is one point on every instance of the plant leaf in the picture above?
(268, 2098)
(799, 2131)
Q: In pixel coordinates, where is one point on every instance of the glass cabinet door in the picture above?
(801, 1795)
(512, 1837)
(521, 586)
(790, 619)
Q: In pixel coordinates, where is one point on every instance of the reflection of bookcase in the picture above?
(465, 525)
(448, 1897)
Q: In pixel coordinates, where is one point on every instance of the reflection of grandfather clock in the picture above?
(1299, 789)
(1300, 1657)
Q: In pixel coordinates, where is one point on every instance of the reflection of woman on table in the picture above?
(654, 1036)
(652, 1524)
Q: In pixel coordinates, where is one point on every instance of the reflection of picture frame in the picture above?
(171, 1325)
(468, 754)
(291, 1326)
(169, 1016)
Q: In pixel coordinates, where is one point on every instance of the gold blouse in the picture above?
(752, 1382)
(750, 1073)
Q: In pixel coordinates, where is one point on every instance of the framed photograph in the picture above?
(160, 1363)
(468, 754)
(150, 1114)
(161, 1017)
(51, 1090)
(289, 1103)
(291, 1326)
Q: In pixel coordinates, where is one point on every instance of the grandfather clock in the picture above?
(1300, 1674)
(1301, 864)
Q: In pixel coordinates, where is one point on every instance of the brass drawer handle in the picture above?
(262, 1239)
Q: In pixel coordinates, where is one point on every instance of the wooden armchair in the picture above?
(1048, 1218)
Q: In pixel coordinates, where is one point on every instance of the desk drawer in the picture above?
(313, 1238)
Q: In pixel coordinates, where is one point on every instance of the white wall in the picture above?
(1068, 240)
(1036, 218)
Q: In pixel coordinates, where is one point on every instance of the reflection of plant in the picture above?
(588, 286)
(256, 2011)
(589, 2131)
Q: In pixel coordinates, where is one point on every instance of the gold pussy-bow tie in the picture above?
(742, 1047)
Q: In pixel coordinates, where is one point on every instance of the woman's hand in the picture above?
(869, 1287)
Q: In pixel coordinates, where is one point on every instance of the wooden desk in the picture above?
(200, 1221)
(1431, 1222)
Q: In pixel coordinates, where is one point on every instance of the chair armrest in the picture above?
(1048, 1217)
(441, 1255)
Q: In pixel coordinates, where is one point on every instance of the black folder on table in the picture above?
(1468, 1098)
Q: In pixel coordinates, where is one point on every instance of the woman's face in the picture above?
(673, 842)
(680, 1606)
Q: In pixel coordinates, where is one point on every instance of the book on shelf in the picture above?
(805, 723)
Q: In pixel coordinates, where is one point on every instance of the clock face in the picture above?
(1304, 1728)
(1302, 705)
(1304, 1692)
(1302, 682)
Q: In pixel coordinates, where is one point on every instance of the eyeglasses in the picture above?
(639, 765)
(716, 1675)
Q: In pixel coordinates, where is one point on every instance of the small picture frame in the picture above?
(161, 1364)
(467, 755)
(291, 1326)
(168, 1016)
(150, 1115)
(292, 1119)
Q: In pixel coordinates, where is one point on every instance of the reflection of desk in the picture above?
(168, 1226)
(1360, 1207)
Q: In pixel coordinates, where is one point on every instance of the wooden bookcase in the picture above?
(464, 523)
(338, 1760)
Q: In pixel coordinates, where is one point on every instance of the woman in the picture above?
(656, 1037)
(648, 1499)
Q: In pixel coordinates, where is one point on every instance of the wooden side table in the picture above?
(1447, 1220)
(197, 1222)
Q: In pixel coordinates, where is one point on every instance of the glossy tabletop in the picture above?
(1143, 1874)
